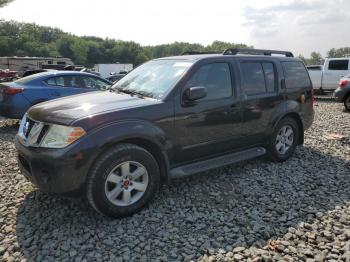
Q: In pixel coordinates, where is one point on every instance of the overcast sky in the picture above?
(301, 26)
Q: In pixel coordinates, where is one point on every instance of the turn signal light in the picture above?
(75, 134)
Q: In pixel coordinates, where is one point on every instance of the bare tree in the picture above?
(4, 2)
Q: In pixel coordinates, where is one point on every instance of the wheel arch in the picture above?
(149, 145)
(298, 120)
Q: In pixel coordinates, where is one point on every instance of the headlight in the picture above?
(61, 136)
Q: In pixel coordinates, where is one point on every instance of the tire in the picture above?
(347, 102)
(113, 187)
(282, 148)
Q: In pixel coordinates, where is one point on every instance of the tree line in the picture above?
(26, 39)
(317, 59)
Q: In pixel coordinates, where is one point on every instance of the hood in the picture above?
(68, 109)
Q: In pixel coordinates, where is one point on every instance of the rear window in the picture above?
(296, 75)
(257, 78)
(338, 64)
(27, 79)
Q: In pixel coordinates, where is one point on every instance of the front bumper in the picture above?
(54, 170)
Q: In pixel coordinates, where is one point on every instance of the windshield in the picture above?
(153, 79)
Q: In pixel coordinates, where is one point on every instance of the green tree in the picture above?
(315, 58)
(303, 58)
(340, 52)
(26, 39)
(4, 2)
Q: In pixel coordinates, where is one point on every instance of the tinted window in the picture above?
(215, 78)
(296, 75)
(338, 65)
(253, 80)
(269, 77)
(92, 82)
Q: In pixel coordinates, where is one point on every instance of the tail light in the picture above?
(343, 82)
(12, 91)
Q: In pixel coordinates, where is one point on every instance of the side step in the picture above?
(220, 161)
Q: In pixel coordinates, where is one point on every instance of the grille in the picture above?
(32, 132)
(28, 127)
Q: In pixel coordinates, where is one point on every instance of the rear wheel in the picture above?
(123, 181)
(347, 102)
(284, 140)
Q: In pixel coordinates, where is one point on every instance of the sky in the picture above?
(301, 26)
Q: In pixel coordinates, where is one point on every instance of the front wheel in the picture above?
(347, 102)
(284, 140)
(123, 181)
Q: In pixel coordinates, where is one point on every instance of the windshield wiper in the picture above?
(135, 92)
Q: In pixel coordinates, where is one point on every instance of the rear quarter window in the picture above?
(296, 75)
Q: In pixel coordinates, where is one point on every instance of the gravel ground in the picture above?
(255, 211)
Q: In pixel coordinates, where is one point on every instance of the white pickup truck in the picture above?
(326, 77)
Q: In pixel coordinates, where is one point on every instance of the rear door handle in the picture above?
(56, 94)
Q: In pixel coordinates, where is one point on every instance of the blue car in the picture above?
(18, 96)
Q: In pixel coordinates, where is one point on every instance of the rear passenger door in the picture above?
(259, 98)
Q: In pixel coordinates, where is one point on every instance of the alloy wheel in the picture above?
(284, 139)
(126, 183)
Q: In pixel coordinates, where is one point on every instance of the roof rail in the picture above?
(235, 51)
(199, 53)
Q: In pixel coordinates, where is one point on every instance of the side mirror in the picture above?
(195, 93)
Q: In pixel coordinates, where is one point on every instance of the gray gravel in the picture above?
(254, 211)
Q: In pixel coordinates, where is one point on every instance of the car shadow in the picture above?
(244, 204)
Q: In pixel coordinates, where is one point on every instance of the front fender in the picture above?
(91, 146)
(129, 129)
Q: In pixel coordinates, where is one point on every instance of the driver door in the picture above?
(210, 125)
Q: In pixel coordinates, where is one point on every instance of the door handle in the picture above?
(56, 94)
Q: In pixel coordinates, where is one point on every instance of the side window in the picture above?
(59, 81)
(338, 64)
(66, 81)
(51, 81)
(253, 79)
(296, 75)
(92, 82)
(216, 78)
(269, 77)
(73, 81)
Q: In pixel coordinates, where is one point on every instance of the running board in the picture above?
(216, 162)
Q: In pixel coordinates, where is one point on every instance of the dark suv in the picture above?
(169, 118)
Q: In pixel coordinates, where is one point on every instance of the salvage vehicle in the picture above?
(169, 118)
(326, 77)
(342, 93)
(18, 96)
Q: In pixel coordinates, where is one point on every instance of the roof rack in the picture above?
(199, 53)
(235, 51)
